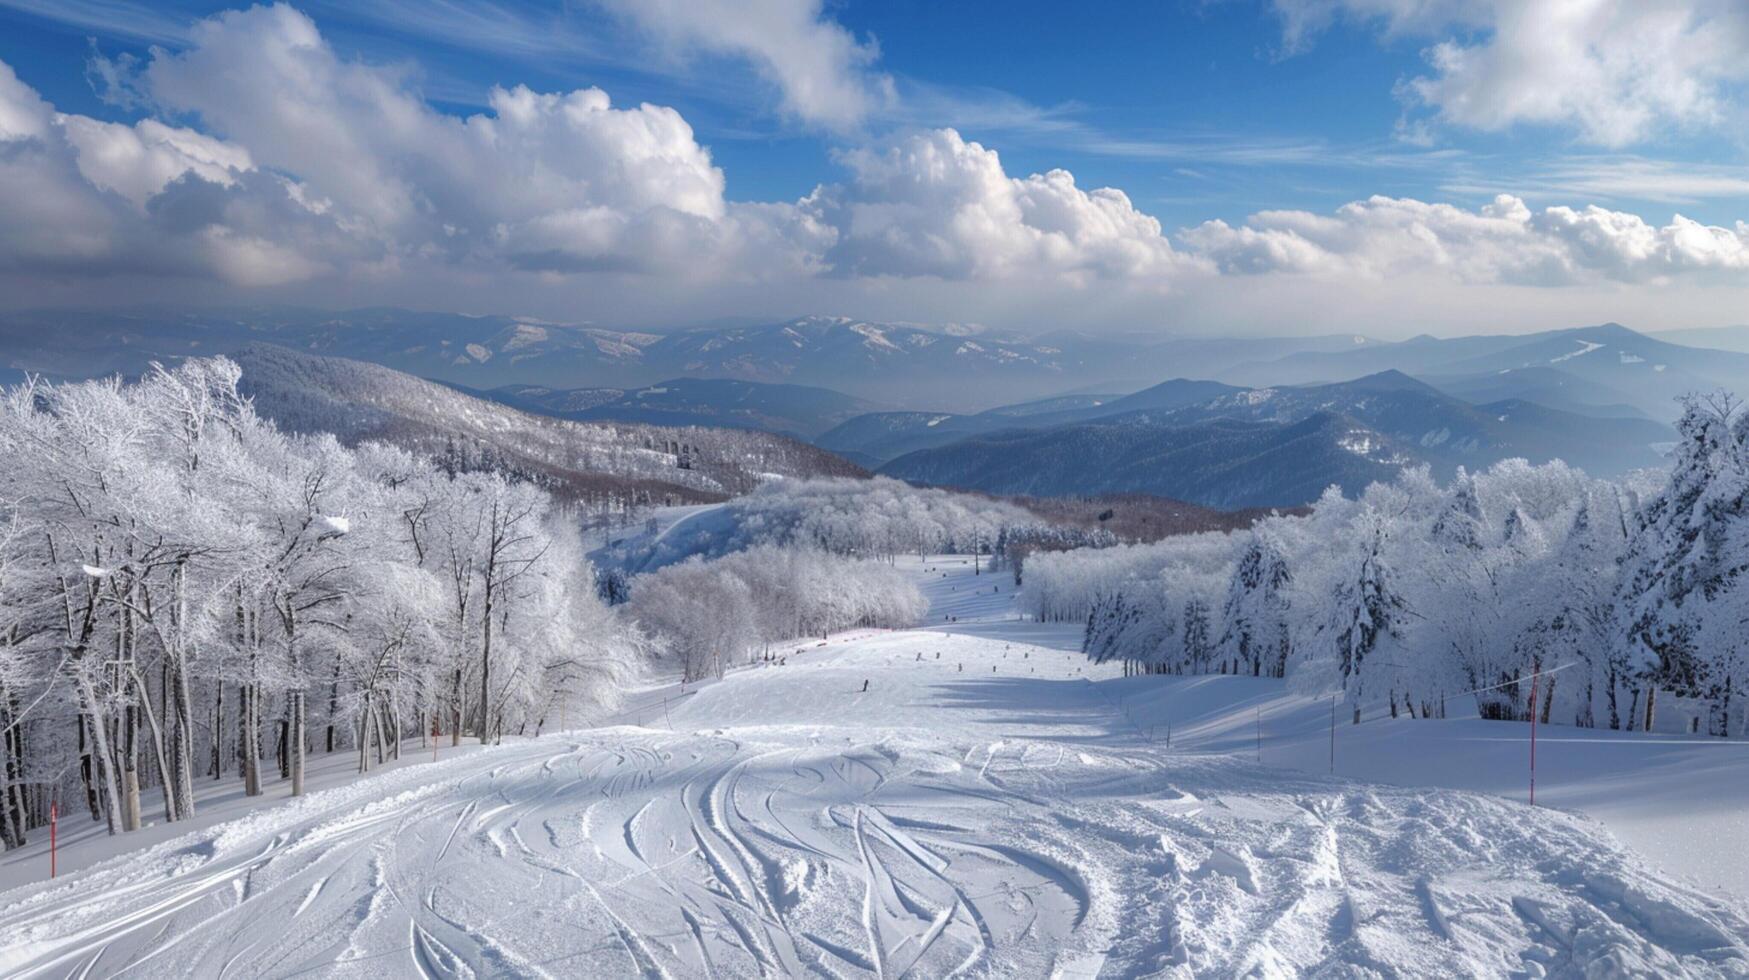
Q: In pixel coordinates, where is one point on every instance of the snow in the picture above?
(873, 337)
(991, 804)
(1359, 443)
(526, 333)
(1585, 347)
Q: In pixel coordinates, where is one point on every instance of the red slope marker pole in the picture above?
(54, 821)
(1535, 676)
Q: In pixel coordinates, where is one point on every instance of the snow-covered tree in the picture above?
(1682, 588)
(183, 586)
(1255, 637)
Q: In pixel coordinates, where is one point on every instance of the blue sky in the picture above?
(1255, 132)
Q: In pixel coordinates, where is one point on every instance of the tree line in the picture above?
(187, 592)
(1624, 601)
(712, 615)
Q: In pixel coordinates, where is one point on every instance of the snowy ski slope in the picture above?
(984, 808)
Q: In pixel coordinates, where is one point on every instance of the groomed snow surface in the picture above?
(989, 806)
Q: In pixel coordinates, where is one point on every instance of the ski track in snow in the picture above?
(949, 822)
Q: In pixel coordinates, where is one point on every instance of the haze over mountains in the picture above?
(792, 410)
(1219, 422)
(625, 462)
(950, 368)
(1279, 446)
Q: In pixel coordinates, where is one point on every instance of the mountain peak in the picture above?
(1389, 379)
(1609, 330)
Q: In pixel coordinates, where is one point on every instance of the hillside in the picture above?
(654, 464)
(798, 411)
(1224, 463)
(882, 436)
(1547, 386)
(1445, 431)
(1615, 364)
(1196, 451)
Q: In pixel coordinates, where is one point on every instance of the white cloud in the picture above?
(1303, 20)
(932, 204)
(83, 198)
(1612, 177)
(1616, 71)
(1503, 242)
(373, 145)
(287, 164)
(825, 74)
(139, 161)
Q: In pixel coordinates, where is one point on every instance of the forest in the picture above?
(1520, 585)
(187, 593)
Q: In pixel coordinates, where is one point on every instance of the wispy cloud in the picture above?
(519, 30)
(111, 18)
(1615, 178)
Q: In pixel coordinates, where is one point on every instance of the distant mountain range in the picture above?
(881, 436)
(1226, 463)
(1265, 447)
(1602, 370)
(1599, 396)
(948, 368)
(1602, 367)
(595, 461)
(798, 411)
(1735, 338)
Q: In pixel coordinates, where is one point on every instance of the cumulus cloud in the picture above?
(267, 159)
(551, 180)
(553, 184)
(824, 73)
(933, 204)
(1617, 71)
(139, 161)
(1502, 242)
(80, 197)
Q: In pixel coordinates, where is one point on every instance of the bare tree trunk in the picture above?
(376, 724)
(170, 812)
(333, 703)
(85, 773)
(181, 706)
(395, 718)
(295, 737)
(219, 730)
(486, 662)
(455, 732)
(1614, 711)
(130, 768)
(105, 764)
(12, 819)
(364, 734)
(250, 710)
